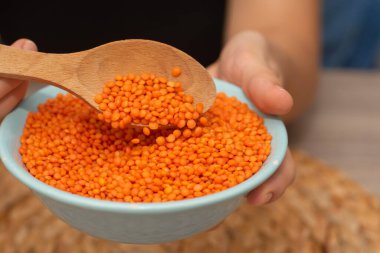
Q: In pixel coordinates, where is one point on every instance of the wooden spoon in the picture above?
(84, 73)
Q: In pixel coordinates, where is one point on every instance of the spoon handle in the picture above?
(56, 69)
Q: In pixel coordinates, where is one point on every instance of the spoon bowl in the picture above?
(84, 73)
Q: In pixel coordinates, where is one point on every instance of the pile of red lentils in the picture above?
(149, 101)
(70, 146)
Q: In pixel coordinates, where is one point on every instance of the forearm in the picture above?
(292, 30)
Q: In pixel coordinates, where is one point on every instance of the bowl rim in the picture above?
(238, 190)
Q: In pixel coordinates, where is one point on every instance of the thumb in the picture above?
(261, 84)
(12, 90)
(25, 44)
(266, 92)
(7, 85)
(247, 61)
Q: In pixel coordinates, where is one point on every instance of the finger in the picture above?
(276, 185)
(7, 85)
(265, 91)
(247, 63)
(25, 44)
(8, 102)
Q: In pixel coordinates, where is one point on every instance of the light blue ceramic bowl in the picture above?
(136, 223)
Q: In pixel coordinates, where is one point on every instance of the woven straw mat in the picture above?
(323, 211)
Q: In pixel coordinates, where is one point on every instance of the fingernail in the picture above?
(28, 45)
(268, 197)
(281, 89)
(284, 93)
(264, 200)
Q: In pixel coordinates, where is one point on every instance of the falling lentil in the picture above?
(176, 71)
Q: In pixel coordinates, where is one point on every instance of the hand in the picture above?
(249, 61)
(11, 90)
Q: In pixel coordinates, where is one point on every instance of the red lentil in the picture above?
(176, 71)
(67, 146)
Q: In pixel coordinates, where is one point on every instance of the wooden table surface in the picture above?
(343, 126)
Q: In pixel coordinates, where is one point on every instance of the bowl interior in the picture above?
(12, 127)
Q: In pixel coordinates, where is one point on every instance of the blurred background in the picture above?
(351, 34)
(343, 126)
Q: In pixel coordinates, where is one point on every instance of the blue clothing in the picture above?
(351, 33)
